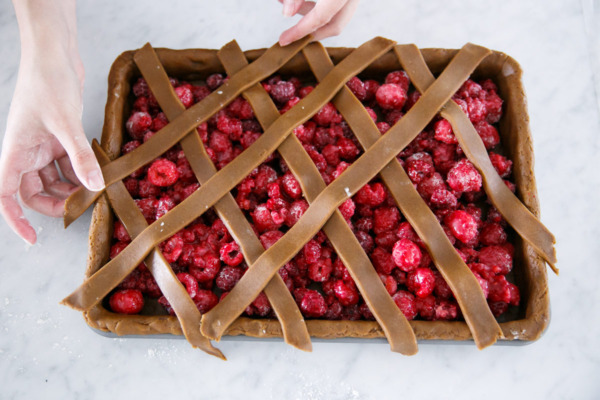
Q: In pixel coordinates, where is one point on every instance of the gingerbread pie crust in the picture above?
(436, 73)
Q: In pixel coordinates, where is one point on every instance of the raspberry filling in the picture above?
(209, 262)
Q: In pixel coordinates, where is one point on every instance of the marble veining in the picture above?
(47, 349)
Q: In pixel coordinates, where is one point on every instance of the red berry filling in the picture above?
(209, 263)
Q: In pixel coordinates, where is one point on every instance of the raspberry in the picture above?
(497, 257)
(190, 283)
(412, 99)
(240, 108)
(357, 87)
(371, 87)
(185, 96)
(347, 149)
(399, 78)
(138, 124)
(406, 303)
(127, 301)
(483, 283)
(406, 231)
(296, 210)
(492, 233)
(291, 186)
(391, 96)
(489, 134)
(120, 233)
(493, 105)
(406, 255)
(312, 303)
(263, 219)
(483, 270)
(146, 189)
(172, 248)
(365, 240)
(383, 127)
(463, 177)
(442, 198)
(331, 154)
(431, 184)
(227, 277)
(346, 292)
(148, 209)
(385, 219)
(320, 270)
(205, 268)
(141, 104)
(140, 88)
(163, 172)
(260, 306)
(205, 300)
(382, 260)
(444, 133)
(371, 195)
(347, 209)
(419, 166)
(265, 176)
(463, 225)
(498, 308)
(502, 165)
(199, 93)
(282, 91)
(214, 81)
(421, 282)
(327, 115)
(231, 254)
(305, 132)
(504, 291)
(446, 310)
(130, 146)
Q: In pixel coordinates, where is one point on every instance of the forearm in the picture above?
(46, 27)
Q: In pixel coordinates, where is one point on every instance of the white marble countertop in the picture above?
(48, 350)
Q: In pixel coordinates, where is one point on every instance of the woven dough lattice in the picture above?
(378, 159)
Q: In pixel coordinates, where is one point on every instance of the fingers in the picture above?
(67, 170)
(33, 196)
(319, 16)
(13, 214)
(291, 7)
(82, 157)
(52, 183)
(337, 23)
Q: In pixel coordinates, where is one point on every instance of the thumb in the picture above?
(82, 158)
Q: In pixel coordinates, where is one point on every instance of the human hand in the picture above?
(43, 135)
(322, 19)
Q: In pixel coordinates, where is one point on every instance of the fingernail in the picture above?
(287, 9)
(95, 181)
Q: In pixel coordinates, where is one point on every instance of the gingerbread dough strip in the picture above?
(394, 324)
(459, 277)
(292, 323)
(264, 66)
(184, 307)
(515, 213)
(216, 321)
(100, 283)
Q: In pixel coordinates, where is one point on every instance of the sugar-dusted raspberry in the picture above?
(483, 270)
(371, 87)
(446, 310)
(205, 300)
(263, 219)
(312, 251)
(130, 146)
(391, 285)
(172, 248)
(347, 149)
(116, 248)
(503, 290)
(399, 78)
(231, 254)
(406, 231)
(151, 288)
(442, 198)
(357, 87)
(443, 132)
(477, 110)
(214, 81)
(502, 165)
(498, 307)
(426, 307)
(365, 240)
(492, 233)
(442, 290)
(227, 277)
(127, 301)
(391, 96)
(462, 225)
(406, 255)
(485, 288)
(371, 195)
(332, 154)
(240, 108)
(138, 123)
(205, 268)
(140, 88)
(327, 115)
(386, 240)
(406, 303)
(120, 233)
(419, 166)
(489, 134)
(190, 283)
(493, 105)
(265, 176)
(199, 92)
(282, 91)
(148, 208)
(141, 104)
(291, 186)
(312, 303)
(296, 210)
(346, 292)
(366, 312)
(463, 177)
(385, 219)
(323, 137)
(347, 209)
(260, 307)
(163, 172)
(470, 89)
(421, 282)
(383, 260)
(320, 270)
(185, 96)
(146, 189)
(306, 132)
(383, 127)
(497, 257)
